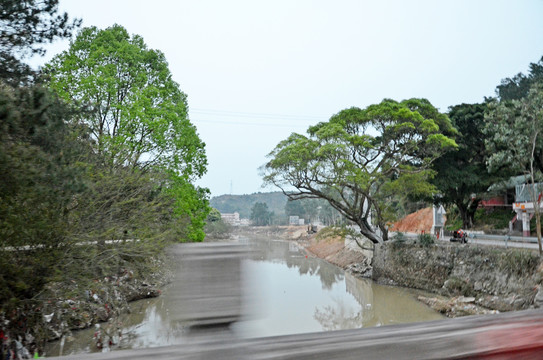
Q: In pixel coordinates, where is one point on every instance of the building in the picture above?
(231, 218)
(524, 205)
(234, 219)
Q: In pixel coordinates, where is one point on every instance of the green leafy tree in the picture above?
(214, 215)
(360, 158)
(24, 27)
(462, 175)
(38, 181)
(137, 115)
(260, 214)
(58, 194)
(518, 86)
(294, 208)
(516, 140)
(216, 227)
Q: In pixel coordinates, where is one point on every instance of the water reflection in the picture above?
(288, 252)
(311, 295)
(285, 293)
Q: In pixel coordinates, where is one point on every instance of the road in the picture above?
(492, 240)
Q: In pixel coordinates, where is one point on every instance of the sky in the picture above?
(257, 71)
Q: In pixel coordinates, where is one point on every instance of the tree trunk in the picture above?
(472, 208)
(538, 229)
(367, 231)
(467, 212)
(463, 209)
(535, 196)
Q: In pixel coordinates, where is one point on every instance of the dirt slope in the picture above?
(416, 222)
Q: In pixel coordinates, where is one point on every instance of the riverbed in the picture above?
(285, 292)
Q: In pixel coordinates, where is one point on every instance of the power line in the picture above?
(256, 115)
(262, 124)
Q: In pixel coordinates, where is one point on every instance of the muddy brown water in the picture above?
(285, 292)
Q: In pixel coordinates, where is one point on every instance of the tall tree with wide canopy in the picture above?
(462, 175)
(515, 141)
(361, 158)
(136, 113)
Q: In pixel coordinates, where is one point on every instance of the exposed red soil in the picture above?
(417, 222)
(333, 250)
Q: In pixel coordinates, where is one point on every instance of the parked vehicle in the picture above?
(460, 236)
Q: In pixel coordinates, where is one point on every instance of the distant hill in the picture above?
(243, 203)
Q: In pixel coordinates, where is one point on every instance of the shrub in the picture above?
(426, 240)
(399, 237)
(456, 286)
(519, 262)
(218, 229)
(333, 231)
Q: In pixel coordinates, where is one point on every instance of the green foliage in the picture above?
(425, 240)
(191, 207)
(79, 203)
(516, 138)
(260, 215)
(217, 229)
(399, 238)
(335, 231)
(514, 131)
(295, 208)
(462, 173)
(24, 27)
(36, 179)
(496, 218)
(357, 172)
(518, 86)
(313, 210)
(138, 115)
(454, 220)
(242, 204)
(483, 219)
(519, 262)
(457, 286)
(37, 184)
(214, 215)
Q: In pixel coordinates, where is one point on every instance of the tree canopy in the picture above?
(260, 214)
(24, 27)
(516, 140)
(135, 112)
(462, 176)
(70, 179)
(360, 158)
(518, 86)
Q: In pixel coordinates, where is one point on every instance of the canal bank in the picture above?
(463, 279)
(63, 308)
(285, 291)
(480, 277)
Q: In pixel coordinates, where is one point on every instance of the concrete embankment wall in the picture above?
(497, 278)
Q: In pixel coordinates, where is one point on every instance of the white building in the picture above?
(232, 219)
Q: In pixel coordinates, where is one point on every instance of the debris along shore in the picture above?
(63, 307)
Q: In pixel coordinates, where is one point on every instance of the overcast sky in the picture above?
(256, 71)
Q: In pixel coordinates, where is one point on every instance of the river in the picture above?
(285, 292)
